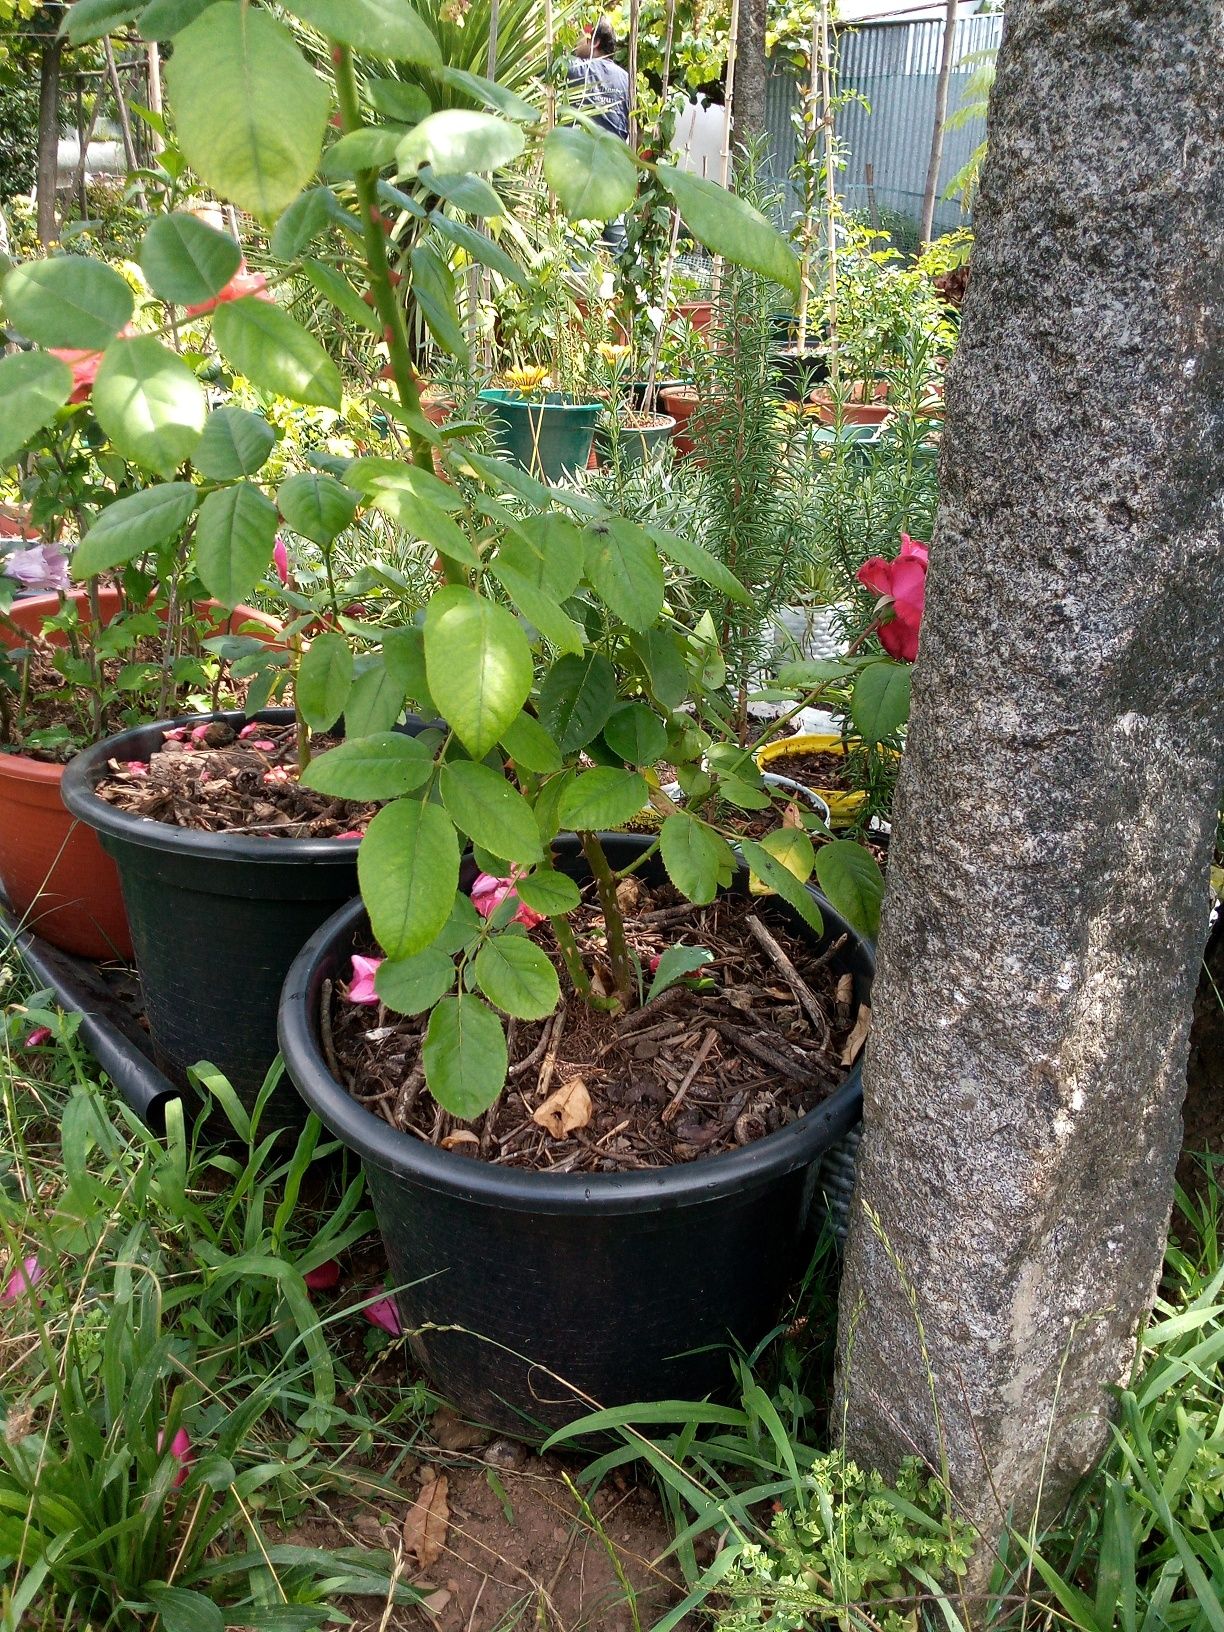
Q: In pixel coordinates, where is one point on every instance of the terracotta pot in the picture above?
(681, 402)
(700, 313)
(852, 413)
(436, 404)
(56, 876)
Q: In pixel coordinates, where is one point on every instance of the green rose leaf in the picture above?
(408, 869)
(88, 20)
(490, 93)
(623, 566)
(375, 702)
(602, 798)
(660, 652)
(370, 148)
(515, 974)
(471, 194)
(376, 28)
(674, 964)
(730, 227)
(433, 284)
(880, 702)
(464, 1055)
(380, 766)
(636, 734)
(479, 247)
(249, 110)
(530, 747)
(576, 699)
(404, 657)
(149, 403)
(67, 301)
(547, 550)
(482, 804)
(695, 559)
(186, 261)
(478, 660)
(235, 534)
(163, 19)
(540, 609)
(324, 680)
(395, 99)
(777, 875)
(33, 387)
(412, 985)
(235, 443)
(259, 340)
(591, 172)
(851, 878)
(316, 505)
(129, 527)
(698, 861)
(458, 140)
(309, 215)
(549, 892)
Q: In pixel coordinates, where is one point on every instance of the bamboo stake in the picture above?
(826, 97)
(550, 44)
(811, 106)
(155, 89)
(667, 51)
(724, 161)
(125, 124)
(633, 74)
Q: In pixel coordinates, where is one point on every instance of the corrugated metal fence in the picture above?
(894, 67)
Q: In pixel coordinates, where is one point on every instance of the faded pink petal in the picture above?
(242, 283)
(278, 773)
(39, 1036)
(280, 559)
(180, 1450)
(84, 365)
(136, 767)
(384, 1313)
(323, 1277)
(353, 835)
(199, 732)
(177, 733)
(251, 730)
(44, 568)
(22, 1280)
(263, 744)
(361, 986)
(488, 893)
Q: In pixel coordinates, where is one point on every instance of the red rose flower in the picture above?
(901, 586)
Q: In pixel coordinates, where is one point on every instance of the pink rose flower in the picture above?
(384, 1313)
(22, 1280)
(84, 364)
(180, 1450)
(136, 767)
(901, 586)
(43, 568)
(39, 1036)
(361, 986)
(280, 559)
(488, 893)
(242, 283)
(323, 1277)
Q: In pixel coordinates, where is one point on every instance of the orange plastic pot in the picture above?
(700, 313)
(681, 402)
(56, 876)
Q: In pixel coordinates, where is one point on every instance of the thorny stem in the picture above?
(639, 861)
(614, 923)
(568, 947)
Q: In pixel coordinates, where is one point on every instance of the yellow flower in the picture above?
(613, 354)
(526, 379)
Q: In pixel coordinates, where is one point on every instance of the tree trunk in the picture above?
(751, 78)
(1047, 903)
(48, 137)
(941, 119)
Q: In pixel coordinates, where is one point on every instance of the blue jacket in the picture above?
(605, 92)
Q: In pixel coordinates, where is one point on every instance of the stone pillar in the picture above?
(1047, 902)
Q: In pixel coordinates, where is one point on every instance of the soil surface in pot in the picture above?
(57, 711)
(747, 1044)
(822, 770)
(215, 780)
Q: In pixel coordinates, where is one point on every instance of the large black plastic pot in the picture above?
(216, 919)
(527, 1295)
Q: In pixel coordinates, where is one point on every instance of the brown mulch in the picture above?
(689, 1075)
(228, 783)
(823, 770)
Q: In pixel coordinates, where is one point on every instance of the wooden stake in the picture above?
(633, 74)
(826, 97)
(125, 124)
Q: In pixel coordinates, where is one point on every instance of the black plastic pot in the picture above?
(216, 919)
(798, 373)
(527, 1296)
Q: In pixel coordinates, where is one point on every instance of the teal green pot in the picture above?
(633, 444)
(546, 435)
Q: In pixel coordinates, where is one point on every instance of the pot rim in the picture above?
(508, 396)
(401, 1156)
(89, 766)
(662, 422)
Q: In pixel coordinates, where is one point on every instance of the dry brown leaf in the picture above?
(462, 1137)
(845, 991)
(629, 894)
(602, 983)
(856, 1039)
(791, 816)
(436, 1602)
(427, 1521)
(565, 1110)
(451, 1433)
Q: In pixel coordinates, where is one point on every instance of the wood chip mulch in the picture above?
(692, 1073)
(215, 780)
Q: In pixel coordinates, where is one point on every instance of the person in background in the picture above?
(603, 91)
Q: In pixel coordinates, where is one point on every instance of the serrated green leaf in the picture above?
(375, 702)
(623, 566)
(540, 610)
(457, 141)
(694, 558)
(464, 1055)
(33, 387)
(163, 19)
(471, 194)
(576, 699)
(530, 747)
(185, 260)
(149, 403)
(880, 701)
(259, 340)
(547, 550)
(316, 505)
(549, 892)
(376, 28)
(87, 20)
(324, 680)
(235, 443)
(336, 288)
(851, 878)
(372, 147)
(636, 734)
(408, 869)
(67, 301)
(516, 975)
(249, 110)
(674, 964)
(404, 655)
(382, 765)
(591, 172)
(478, 660)
(602, 798)
(490, 93)
(778, 878)
(697, 860)
(143, 521)
(729, 226)
(412, 985)
(306, 219)
(396, 99)
(235, 535)
(492, 813)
